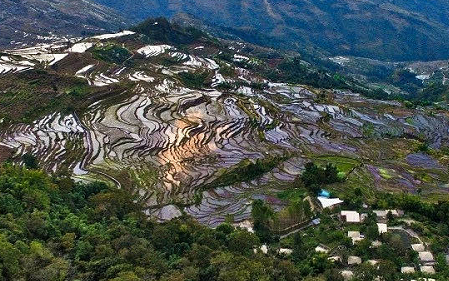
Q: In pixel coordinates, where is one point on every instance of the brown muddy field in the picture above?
(5, 153)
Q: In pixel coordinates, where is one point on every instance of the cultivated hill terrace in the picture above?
(175, 115)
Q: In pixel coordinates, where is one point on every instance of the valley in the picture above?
(160, 151)
(170, 121)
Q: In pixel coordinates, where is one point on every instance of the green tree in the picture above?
(30, 161)
(262, 214)
(300, 250)
(442, 265)
(333, 274)
(9, 260)
(387, 271)
(128, 276)
(314, 176)
(365, 272)
(243, 242)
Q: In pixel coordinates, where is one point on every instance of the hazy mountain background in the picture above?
(396, 30)
(388, 30)
(30, 21)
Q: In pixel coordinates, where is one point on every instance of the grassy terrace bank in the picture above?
(246, 171)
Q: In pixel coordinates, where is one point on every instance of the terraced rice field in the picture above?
(166, 141)
(344, 164)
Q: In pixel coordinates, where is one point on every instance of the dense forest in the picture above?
(54, 229)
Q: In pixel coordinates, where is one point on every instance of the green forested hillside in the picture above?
(54, 229)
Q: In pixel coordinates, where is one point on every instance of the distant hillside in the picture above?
(388, 30)
(31, 21)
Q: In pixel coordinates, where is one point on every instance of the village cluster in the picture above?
(353, 219)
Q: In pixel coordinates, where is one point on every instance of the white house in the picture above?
(355, 236)
(427, 269)
(382, 228)
(347, 274)
(285, 251)
(321, 249)
(334, 258)
(382, 214)
(426, 257)
(418, 247)
(329, 202)
(350, 216)
(407, 269)
(354, 260)
(264, 249)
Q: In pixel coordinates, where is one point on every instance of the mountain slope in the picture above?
(393, 30)
(198, 125)
(30, 21)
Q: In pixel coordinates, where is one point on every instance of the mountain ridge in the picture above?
(394, 30)
(27, 22)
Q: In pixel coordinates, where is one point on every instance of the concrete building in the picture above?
(407, 270)
(347, 274)
(426, 257)
(428, 269)
(329, 202)
(350, 216)
(285, 251)
(354, 260)
(382, 214)
(321, 249)
(382, 228)
(355, 236)
(335, 258)
(264, 249)
(418, 247)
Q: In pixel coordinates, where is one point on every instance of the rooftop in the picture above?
(383, 213)
(321, 249)
(382, 228)
(418, 247)
(334, 258)
(347, 274)
(329, 202)
(427, 269)
(324, 193)
(285, 251)
(407, 269)
(426, 256)
(354, 260)
(351, 216)
(353, 234)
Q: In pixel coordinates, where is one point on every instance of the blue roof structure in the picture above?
(324, 193)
